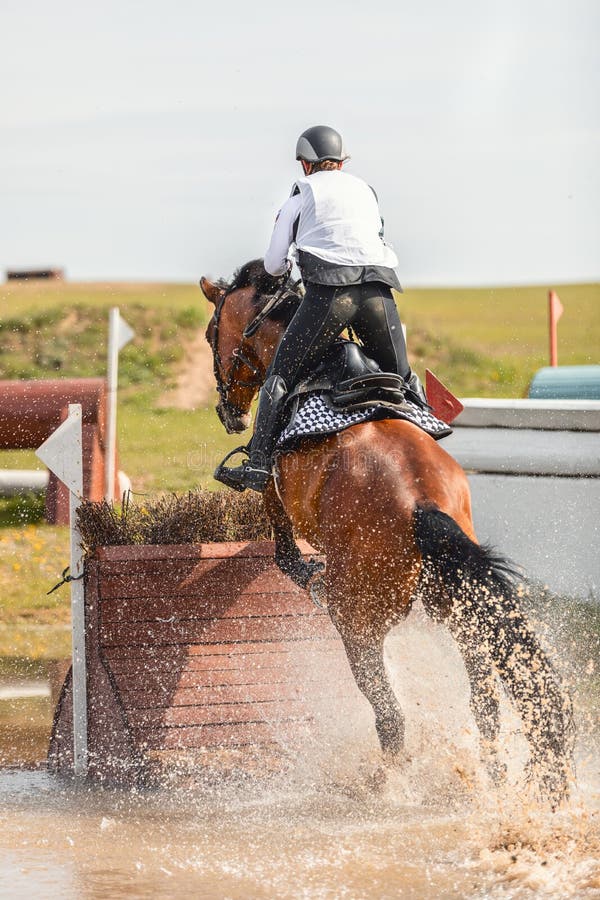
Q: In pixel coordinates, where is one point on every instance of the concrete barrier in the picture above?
(534, 470)
(544, 415)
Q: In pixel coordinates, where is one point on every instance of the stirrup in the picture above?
(222, 471)
(239, 478)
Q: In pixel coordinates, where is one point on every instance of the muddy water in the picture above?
(436, 829)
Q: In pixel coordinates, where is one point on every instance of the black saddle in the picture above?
(351, 381)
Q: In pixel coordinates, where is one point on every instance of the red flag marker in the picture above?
(555, 311)
(443, 403)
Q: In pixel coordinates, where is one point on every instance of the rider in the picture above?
(333, 220)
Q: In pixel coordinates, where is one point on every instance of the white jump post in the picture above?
(119, 334)
(62, 453)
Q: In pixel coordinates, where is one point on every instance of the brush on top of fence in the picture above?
(195, 517)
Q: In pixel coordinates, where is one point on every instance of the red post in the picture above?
(555, 311)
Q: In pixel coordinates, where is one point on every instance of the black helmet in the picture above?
(320, 142)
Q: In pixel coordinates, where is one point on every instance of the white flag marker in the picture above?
(62, 453)
(119, 334)
(124, 332)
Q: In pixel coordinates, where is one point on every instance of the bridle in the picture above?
(287, 289)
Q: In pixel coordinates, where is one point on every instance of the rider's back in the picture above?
(340, 221)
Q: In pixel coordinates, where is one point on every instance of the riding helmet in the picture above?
(320, 142)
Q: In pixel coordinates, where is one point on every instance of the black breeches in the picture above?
(325, 311)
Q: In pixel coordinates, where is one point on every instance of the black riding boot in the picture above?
(416, 391)
(255, 472)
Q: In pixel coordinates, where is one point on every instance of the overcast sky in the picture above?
(153, 140)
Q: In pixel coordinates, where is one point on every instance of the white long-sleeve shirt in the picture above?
(338, 221)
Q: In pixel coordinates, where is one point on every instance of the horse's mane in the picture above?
(253, 274)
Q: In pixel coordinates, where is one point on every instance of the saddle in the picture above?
(348, 388)
(350, 381)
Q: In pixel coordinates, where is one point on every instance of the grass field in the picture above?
(485, 342)
(50, 331)
(496, 339)
(33, 624)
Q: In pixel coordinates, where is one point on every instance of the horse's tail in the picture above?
(478, 587)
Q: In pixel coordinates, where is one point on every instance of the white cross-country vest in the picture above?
(340, 221)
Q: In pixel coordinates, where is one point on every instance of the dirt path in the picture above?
(195, 381)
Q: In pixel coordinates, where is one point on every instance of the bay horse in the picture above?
(390, 509)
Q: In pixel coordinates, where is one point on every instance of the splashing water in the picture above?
(326, 828)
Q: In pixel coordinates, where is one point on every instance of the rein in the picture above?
(288, 288)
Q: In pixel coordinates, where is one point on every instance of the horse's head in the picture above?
(240, 361)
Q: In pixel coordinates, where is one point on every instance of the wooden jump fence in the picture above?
(198, 652)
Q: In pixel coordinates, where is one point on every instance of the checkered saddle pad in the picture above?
(317, 417)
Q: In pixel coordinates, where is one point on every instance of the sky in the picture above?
(155, 141)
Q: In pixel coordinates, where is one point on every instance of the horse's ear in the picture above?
(210, 290)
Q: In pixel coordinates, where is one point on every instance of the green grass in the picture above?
(49, 332)
(33, 623)
(159, 449)
(24, 509)
(489, 342)
(482, 342)
(26, 300)
(172, 449)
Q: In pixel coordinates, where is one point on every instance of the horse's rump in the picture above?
(367, 481)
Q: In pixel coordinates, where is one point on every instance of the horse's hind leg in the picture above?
(484, 699)
(368, 668)
(483, 684)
